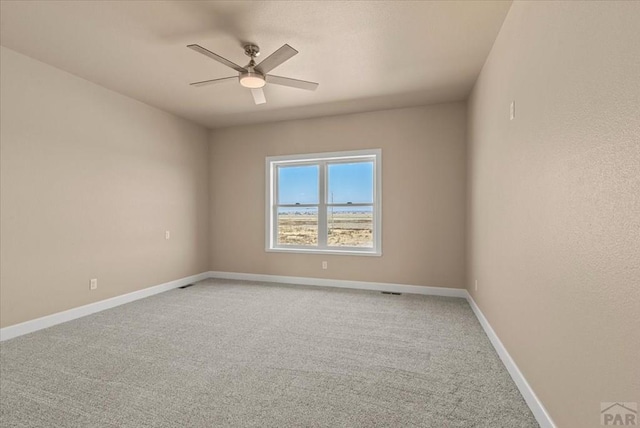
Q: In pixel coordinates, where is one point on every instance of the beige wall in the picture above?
(90, 182)
(423, 173)
(554, 207)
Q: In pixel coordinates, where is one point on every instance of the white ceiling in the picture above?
(366, 55)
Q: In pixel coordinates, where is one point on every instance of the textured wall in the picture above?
(554, 206)
(423, 175)
(90, 182)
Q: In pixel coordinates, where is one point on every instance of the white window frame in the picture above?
(323, 159)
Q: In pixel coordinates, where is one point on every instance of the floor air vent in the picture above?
(389, 292)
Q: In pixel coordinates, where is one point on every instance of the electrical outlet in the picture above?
(324, 265)
(167, 234)
(93, 284)
(476, 285)
(512, 110)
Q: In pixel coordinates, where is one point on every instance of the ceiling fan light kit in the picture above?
(252, 80)
(254, 76)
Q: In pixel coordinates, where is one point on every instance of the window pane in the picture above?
(350, 182)
(298, 184)
(297, 226)
(350, 227)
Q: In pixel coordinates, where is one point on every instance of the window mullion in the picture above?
(322, 206)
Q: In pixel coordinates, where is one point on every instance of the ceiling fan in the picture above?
(254, 76)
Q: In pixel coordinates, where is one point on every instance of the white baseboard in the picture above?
(339, 283)
(538, 410)
(16, 330)
(527, 392)
(81, 311)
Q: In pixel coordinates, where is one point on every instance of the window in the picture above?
(324, 203)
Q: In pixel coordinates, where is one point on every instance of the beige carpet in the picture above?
(227, 353)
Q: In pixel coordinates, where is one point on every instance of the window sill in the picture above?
(327, 252)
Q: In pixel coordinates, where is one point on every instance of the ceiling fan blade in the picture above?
(258, 96)
(275, 59)
(212, 81)
(294, 83)
(217, 57)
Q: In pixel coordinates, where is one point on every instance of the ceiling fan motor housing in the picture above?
(251, 78)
